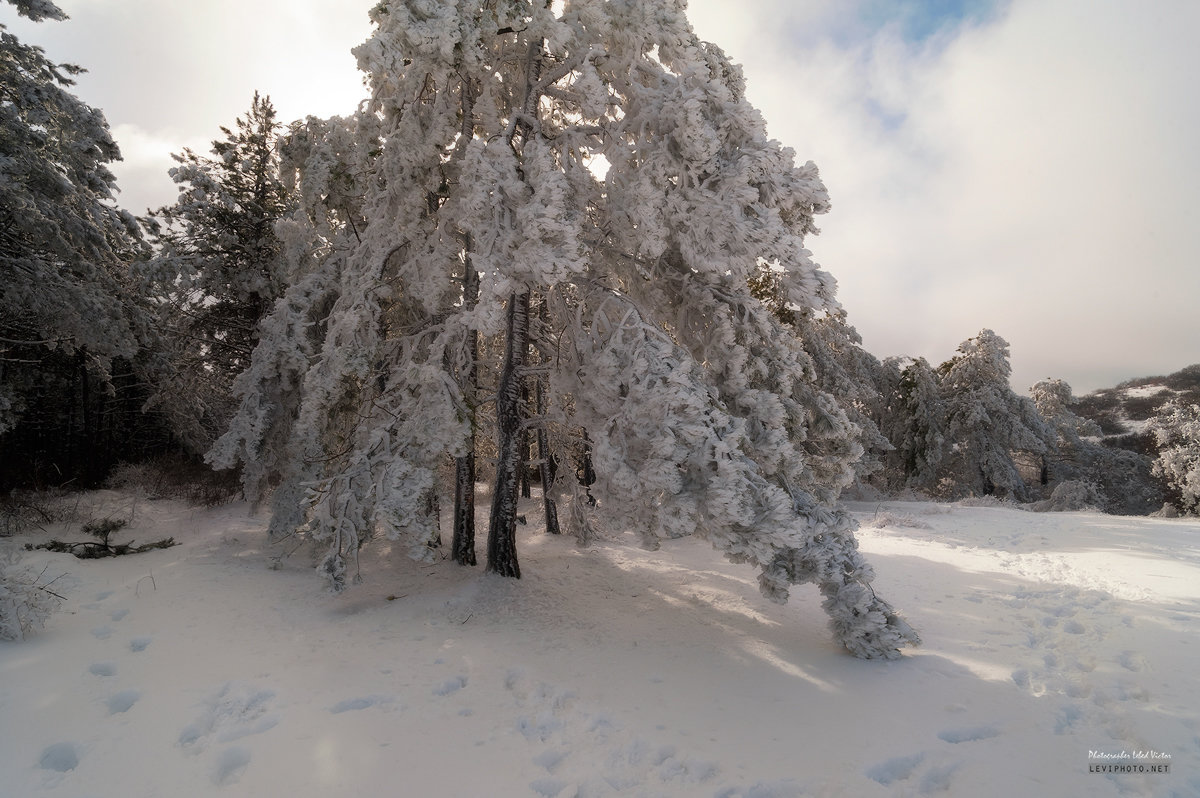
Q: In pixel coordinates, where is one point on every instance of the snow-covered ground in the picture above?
(199, 670)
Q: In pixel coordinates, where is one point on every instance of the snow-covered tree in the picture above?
(1176, 428)
(66, 305)
(599, 159)
(1053, 400)
(914, 420)
(217, 271)
(986, 422)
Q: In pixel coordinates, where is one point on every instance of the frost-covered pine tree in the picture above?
(1053, 399)
(67, 311)
(598, 157)
(914, 420)
(1176, 428)
(986, 422)
(217, 271)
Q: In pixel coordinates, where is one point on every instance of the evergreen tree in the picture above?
(701, 410)
(986, 423)
(915, 422)
(67, 311)
(218, 270)
(1053, 400)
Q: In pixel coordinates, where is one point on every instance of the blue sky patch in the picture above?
(920, 20)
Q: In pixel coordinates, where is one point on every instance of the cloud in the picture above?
(1028, 168)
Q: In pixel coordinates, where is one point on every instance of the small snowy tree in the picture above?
(701, 410)
(986, 422)
(1176, 428)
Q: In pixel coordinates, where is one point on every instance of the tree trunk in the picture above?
(502, 526)
(462, 546)
(88, 448)
(547, 465)
(585, 473)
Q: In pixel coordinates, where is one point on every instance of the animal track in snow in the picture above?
(140, 643)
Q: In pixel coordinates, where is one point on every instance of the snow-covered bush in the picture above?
(1074, 494)
(883, 520)
(26, 599)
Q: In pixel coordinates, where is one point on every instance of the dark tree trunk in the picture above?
(547, 465)
(433, 508)
(526, 467)
(88, 448)
(585, 473)
(462, 547)
(502, 526)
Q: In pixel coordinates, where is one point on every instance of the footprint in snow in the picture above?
(361, 703)
(968, 735)
(140, 643)
(231, 763)
(60, 757)
(549, 787)
(118, 615)
(895, 769)
(123, 701)
(231, 713)
(102, 669)
(451, 686)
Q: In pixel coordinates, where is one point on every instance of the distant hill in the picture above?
(1122, 412)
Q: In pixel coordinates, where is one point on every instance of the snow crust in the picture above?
(220, 668)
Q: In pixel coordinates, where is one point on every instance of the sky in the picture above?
(1025, 166)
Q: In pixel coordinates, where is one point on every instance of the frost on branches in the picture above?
(596, 161)
(66, 307)
(1176, 429)
(986, 422)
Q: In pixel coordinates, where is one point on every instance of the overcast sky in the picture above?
(1032, 167)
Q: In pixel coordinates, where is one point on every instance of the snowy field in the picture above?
(610, 671)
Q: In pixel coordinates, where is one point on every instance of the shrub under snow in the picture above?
(26, 600)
